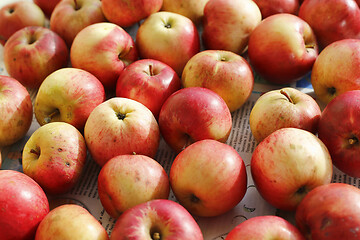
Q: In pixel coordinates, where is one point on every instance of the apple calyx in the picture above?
(286, 95)
(51, 115)
(121, 116)
(35, 151)
(156, 236)
(11, 10)
(302, 191)
(331, 90)
(194, 198)
(353, 141)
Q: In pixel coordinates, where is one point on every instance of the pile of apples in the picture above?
(114, 77)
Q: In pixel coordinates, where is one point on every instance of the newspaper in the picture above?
(213, 228)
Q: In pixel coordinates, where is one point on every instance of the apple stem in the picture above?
(51, 115)
(151, 70)
(156, 236)
(310, 45)
(286, 95)
(76, 5)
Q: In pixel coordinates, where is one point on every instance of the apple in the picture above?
(330, 212)
(193, 114)
(32, 53)
(131, 11)
(148, 81)
(208, 178)
(156, 219)
(336, 70)
(103, 49)
(54, 156)
(265, 227)
(288, 164)
(340, 132)
(280, 108)
(272, 7)
(70, 221)
(17, 111)
(69, 17)
(47, 6)
(17, 15)
(121, 126)
(193, 9)
(168, 37)
(224, 72)
(227, 24)
(23, 205)
(128, 180)
(68, 95)
(282, 48)
(332, 20)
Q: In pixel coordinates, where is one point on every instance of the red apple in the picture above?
(156, 219)
(131, 11)
(193, 9)
(70, 221)
(332, 20)
(285, 107)
(128, 180)
(340, 132)
(168, 37)
(272, 7)
(103, 49)
(47, 6)
(223, 72)
(192, 114)
(68, 95)
(330, 212)
(54, 156)
(265, 227)
(282, 48)
(289, 163)
(17, 15)
(148, 81)
(17, 111)
(69, 17)
(227, 24)
(121, 126)
(208, 178)
(23, 206)
(32, 53)
(336, 70)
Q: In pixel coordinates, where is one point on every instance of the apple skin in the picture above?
(227, 24)
(17, 15)
(168, 37)
(17, 111)
(128, 180)
(282, 48)
(54, 156)
(280, 108)
(23, 205)
(218, 187)
(68, 95)
(336, 70)
(70, 221)
(121, 126)
(265, 228)
(340, 132)
(193, 114)
(272, 7)
(157, 219)
(103, 49)
(69, 17)
(193, 9)
(47, 6)
(148, 81)
(32, 53)
(330, 212)
(131, 11)
(332, 20)
(289, 163)
(223, 72)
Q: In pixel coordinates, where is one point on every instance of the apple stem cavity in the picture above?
(35, 152)
(286, 95)
(51, 115)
